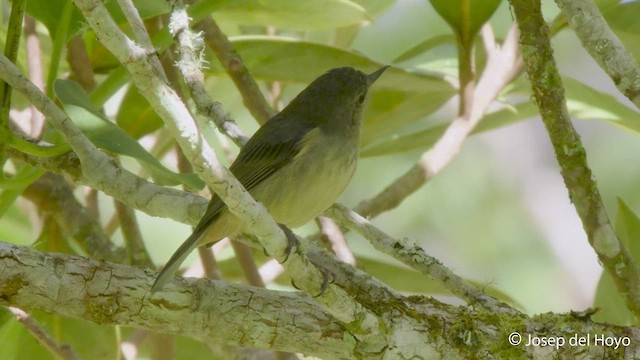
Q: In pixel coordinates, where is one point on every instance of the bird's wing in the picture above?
(271, 148)
(262, 156)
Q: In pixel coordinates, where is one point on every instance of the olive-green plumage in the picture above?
(296, 164)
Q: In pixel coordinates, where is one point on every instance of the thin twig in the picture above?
(247, 263)
(548, 93)
(55, 197)
(503, 65)
(412, 254)
(132, 235)
(331, 234)
(180, 123)
(252, 97)
(141, 35)
(34, 64)
(62, 351)
(191, 61)
(80, 65)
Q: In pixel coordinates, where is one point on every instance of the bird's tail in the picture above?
(176, 260)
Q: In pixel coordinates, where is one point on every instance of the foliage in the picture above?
(474, 215)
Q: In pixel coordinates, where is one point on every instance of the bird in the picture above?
(297, 164)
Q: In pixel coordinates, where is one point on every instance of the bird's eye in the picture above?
(361, 98)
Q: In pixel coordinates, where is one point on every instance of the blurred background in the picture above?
(498, 214)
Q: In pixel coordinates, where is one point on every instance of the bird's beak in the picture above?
(371, 78)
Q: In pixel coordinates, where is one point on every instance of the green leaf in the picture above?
(285, 59)
(612, 305)
(294, 14)
(627, 228)
(398, 98)
(585, 102)
(49, 12)
(425, 46)
(623, 16)
(506, 116)
(465, 17)
(13, 187)
(390, 111)
(108, 136)
(375, 7)
(424, 139)
(136, 116)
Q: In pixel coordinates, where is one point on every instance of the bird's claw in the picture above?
(292, 242)
(326, 275)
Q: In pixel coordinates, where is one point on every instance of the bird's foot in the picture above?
(292, 242)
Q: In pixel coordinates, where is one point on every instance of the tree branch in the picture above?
(233, 64)
(413, 255)
(190, 50)
(216, 313)
(54, 196)
(98, 169)
(584, 194)
(62, 351)
(211, 311)
(603, 45)
(503, 64)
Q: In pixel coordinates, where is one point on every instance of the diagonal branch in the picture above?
(233, 64)
(502, 66)
(98, 169)
(413, 255)
(584, 194)
(182, 126)
(114, 294)
(603, 45)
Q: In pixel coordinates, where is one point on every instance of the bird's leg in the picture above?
(325, 280)
(292, 241)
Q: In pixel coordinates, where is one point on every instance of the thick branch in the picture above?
(211, 311)
(221, 313)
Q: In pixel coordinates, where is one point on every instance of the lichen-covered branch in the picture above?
(217, 313)
(548, 93)
(98, 169)
(190, 64)
(413, 255)
(114, 294)
(180, 123)
(603, 45)
(233, 64)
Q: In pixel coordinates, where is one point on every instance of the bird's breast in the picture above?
(312, 181)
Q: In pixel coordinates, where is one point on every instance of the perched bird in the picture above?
(296, 164)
